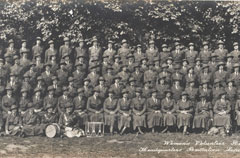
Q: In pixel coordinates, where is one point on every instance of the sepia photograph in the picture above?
(119, 79)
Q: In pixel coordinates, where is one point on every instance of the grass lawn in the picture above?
(130, 145)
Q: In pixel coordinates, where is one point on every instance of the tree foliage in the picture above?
(136, 21)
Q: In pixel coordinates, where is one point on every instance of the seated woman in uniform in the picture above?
(154, 114)
(68, 122)
(168, 108)
(237, 110)
(222, 109)
(184, 110)
(110, 110)
(49, 116)
(7, 101)
(13, 125)
(31, 123)
(95, 107)
(80, 110)
(203, 114)
(139, 111)
(124, 110)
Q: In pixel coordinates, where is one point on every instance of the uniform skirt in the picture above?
(222, 120)
(82, 118)
(110, 119)
(154, 119)
(237, 118)
(124, 121)
(93, 117)
(202, 120)
(184, 120)
(33, 130)
(14, 130)
(169, 119)
(139, 121)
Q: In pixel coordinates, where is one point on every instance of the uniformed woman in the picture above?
(139, 111)
(13, 125)
(110, 111)
(7, 101)
(216, 90)
(237, 110)
(80, 110)
(184, 110)
(161, 86)
(124, 110)
(154, 113)
(31, 124)
(37, 101)
(63, 100)
(203, 114)
(168, 109)
(50, 99)
(95, 107)
(222, 110)
(49, 116)
(24, 102)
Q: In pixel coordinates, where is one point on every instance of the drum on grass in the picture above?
(52, 130)
(94, 129)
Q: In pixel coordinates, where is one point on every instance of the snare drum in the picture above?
(94, 129)
(52, 130)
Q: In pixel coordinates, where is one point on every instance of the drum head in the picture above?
(51, 131)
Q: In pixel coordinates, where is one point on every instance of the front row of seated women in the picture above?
(124, 114)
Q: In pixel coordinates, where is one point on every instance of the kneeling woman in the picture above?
(13, 124)
(168, 109)
(184, 110)
(139, 109)
(203, 114)
(110, 111)
(222, 110)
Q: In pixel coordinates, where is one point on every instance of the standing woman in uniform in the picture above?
(168, 109)
(139, 108)
(124, 110)
(184, 110)
(154, 114)
(110, 111)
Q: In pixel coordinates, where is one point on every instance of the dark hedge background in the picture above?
(137, 21)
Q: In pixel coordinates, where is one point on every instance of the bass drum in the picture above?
(52, 130)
